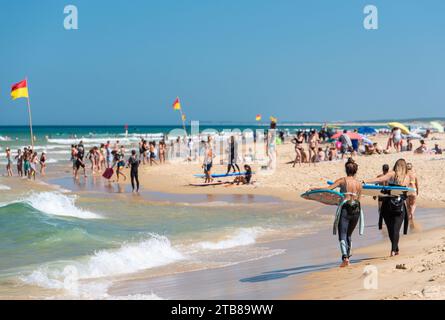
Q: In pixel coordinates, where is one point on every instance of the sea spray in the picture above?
(58, 204)
(241, 237)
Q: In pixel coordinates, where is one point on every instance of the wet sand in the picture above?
(290, 275)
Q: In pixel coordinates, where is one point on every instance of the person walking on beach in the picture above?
(119, 161)
(349, 212)
(26, 159)
(346, 143)
(42, 162)
(298, 141)
(394, 209)
(412, 196)
(33, 165)
(313, 146)
(162, 151)
(152, 149)
(8, 163)
(19, 159)
(208, 163)
(233, 155)
(133, 162)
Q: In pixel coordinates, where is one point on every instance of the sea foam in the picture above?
(58, 204)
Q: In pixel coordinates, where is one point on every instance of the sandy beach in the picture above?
(288, 183)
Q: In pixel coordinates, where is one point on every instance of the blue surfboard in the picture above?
(375, 190)
(221, 175)
(325, 196)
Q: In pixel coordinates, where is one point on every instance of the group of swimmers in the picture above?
(26, 161)
(394, 210)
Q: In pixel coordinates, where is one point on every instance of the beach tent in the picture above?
(436, 125)
(352, 135)
(402, 127)
(366, 130)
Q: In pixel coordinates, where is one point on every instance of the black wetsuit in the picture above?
(349, 217)
(395, 214)
(232, 162)
(134, 175)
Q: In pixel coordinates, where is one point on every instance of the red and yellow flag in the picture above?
(19, 90)
(176, 104)
(258, 117)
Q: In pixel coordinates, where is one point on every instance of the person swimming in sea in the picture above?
(349, 212)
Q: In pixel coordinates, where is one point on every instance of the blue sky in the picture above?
(227, 60)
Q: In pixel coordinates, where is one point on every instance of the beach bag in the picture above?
(108, 173)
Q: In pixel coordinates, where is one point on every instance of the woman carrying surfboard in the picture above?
(393, 208)
(349, 212)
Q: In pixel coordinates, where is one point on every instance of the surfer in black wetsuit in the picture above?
(133, 162)
(393, 210)
(349, 212)
(233, 155)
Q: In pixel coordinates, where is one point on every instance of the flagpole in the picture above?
(182, 119)
(30, 116)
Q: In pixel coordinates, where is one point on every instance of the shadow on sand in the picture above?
(284, 273)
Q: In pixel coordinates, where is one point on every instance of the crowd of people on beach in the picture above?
(326, 145)
(28, 162)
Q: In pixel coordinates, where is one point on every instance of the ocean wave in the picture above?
(4, 188)
(129, 258)
(58, 204)
(241, 237)
(92, 141)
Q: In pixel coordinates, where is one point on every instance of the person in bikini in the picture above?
(412, 196)
(298, 142)
(349, 212)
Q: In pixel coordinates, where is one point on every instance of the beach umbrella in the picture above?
(366, 130)
(402, 127)
(436, 125)
(352, 135)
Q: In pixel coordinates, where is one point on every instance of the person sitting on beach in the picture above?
(394, 210)
(436, 149)
(349, 212)
(321, 155)
(332, 153)
(422, 148)
(409, 144)
(246, 178)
